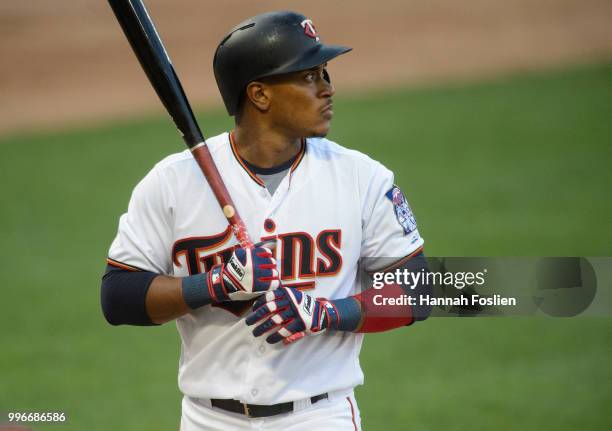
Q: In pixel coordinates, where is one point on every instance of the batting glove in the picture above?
(291, 315)
(248, 274)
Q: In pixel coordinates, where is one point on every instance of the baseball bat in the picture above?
(147, 45)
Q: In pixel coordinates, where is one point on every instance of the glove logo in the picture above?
(236, 270)
(308, 304)
(309, 29)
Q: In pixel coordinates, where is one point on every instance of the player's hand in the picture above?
(248, 274)
(289, 315)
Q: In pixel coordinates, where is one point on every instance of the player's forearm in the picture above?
(164, 300)
(169, 298)
(145, 298)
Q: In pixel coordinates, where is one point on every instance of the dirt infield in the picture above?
(64, 62)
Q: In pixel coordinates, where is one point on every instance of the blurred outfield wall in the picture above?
(66, 62)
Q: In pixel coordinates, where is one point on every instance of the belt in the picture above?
(258, 410)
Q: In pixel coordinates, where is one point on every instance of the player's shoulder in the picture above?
(173, 160)
(325, 149)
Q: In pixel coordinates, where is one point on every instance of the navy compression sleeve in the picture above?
(422, 289)
(123, 296)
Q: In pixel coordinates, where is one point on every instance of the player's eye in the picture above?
(310, 76)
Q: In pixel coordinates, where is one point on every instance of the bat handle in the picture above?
(202, 156)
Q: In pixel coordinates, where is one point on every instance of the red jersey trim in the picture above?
(244, 166)
(352, 413)
(299, 157)
(121, 265)
(400, 262)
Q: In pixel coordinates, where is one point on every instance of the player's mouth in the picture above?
(327, 111)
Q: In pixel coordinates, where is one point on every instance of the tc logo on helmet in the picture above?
(309, 29)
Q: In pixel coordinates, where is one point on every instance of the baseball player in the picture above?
(270, 335)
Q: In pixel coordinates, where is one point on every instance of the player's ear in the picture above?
(258, 94)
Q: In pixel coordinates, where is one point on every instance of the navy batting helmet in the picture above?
(268, 44)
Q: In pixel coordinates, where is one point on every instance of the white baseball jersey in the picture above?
(335, 206)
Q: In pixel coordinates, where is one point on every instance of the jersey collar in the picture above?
(251, 170)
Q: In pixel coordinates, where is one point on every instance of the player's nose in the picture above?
(327, 89)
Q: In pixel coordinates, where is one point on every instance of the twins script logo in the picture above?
(309, 29)
(302, 258)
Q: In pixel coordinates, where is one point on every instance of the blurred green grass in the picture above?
(514, 166)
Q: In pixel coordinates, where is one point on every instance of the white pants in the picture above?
(337, 413)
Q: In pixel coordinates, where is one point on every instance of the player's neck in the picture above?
(263, 147)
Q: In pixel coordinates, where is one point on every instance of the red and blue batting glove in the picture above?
(248, 274)
(290, 315)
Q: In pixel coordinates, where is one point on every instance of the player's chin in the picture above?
(320, 130)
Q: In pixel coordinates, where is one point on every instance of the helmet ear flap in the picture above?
(326, 76)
